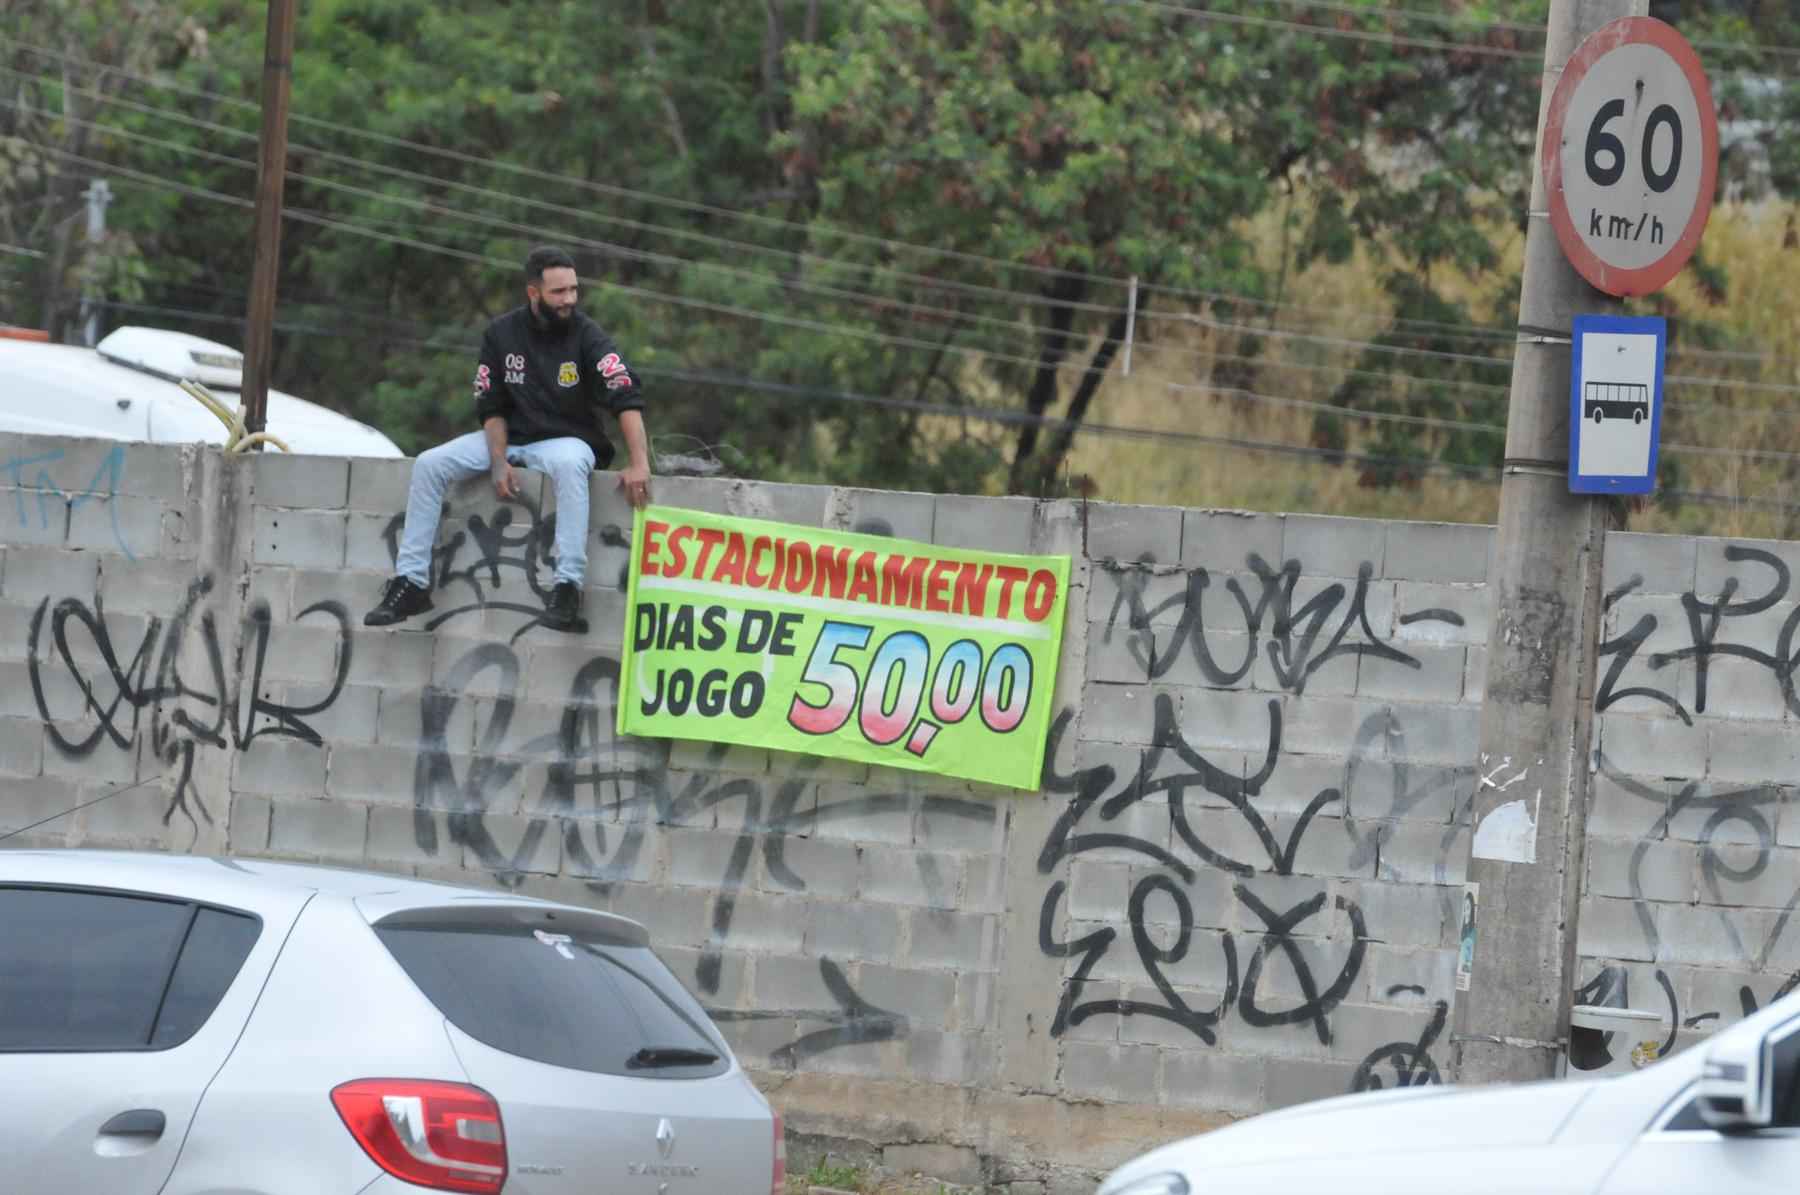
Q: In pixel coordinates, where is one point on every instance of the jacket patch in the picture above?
(566, 376)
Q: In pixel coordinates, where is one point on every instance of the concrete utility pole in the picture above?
(98, 196)
(271, 172)
(1530, 808)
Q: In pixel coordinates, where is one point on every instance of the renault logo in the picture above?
(665, 1138)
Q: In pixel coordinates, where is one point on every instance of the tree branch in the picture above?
(647, 38)
(1084, 394)
(774, 38)
(1065, 290)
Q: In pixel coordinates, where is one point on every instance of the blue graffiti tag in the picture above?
(111, 470)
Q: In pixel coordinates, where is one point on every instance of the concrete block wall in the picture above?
(1693, 852)
(1255, 824)
(1236, 891)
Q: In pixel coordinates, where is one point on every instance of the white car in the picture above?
(128, 387)
(1719, 1119)
(191, 1026)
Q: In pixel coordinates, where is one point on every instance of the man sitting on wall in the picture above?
(546, 371)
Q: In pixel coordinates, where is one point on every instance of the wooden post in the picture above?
(271, 171)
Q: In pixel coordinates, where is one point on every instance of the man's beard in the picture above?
(551, 320)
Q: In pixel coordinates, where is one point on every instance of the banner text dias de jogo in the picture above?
(863, 647)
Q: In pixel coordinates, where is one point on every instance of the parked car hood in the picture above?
(1406, 1120)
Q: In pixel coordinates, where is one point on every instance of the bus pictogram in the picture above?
(1601, 401)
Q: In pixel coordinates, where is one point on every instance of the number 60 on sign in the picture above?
(1630, 156)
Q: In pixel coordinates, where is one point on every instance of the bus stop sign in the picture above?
(1615, 403)
(1630, 156)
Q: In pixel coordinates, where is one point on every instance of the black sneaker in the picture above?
(563, 610)
(402, 600)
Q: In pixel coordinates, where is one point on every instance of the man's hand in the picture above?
(634, 481)
(506, 485)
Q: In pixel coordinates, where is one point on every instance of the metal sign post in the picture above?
(1616, 404)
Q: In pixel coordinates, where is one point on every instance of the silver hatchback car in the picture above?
(183, 1025)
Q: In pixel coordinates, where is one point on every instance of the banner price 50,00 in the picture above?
(832, 643)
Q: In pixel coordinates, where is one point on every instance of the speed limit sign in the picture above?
(1631, 152)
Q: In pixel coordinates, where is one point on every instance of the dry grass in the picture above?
(1759, 312)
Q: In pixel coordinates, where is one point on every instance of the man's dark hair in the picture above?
(546, 257)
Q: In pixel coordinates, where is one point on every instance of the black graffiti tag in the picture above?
(1298, 637)
(1293, 632)
(1705, 620)
(1412, 1063)
(526, 551)
(588, 773)
(229, 708)
(854, 1021)
(1088, 787)
(1315, 1004)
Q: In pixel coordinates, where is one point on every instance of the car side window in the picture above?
(215, 949)
(1687, 1120)
(100, 971)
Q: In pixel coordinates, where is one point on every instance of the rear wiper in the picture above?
(670, 1056)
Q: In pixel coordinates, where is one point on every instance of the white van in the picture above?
(127, 388)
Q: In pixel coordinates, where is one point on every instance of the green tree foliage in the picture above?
(403, 252)
(1136, 139)
(50, 137)
(850, 240)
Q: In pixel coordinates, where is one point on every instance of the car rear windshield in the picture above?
(566, 998)
(83, 970)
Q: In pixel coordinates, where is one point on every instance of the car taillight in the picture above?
(778, 1182)
(446, 1136)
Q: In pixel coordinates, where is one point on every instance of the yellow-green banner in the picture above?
(863, 647)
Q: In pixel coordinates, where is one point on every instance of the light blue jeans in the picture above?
(568, 461)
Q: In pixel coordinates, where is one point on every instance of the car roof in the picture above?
(148, 871)
(54, 389)
(257, 884)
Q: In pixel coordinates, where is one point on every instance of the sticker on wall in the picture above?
(1465, 950)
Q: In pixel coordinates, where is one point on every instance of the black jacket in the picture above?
(548, 384)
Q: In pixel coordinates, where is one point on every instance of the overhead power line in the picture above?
(657, 199)
(1018, 418)
(305, 216)
(1412, 15)
(1028, 298)
(467, 344)
(1350, 413)
(799, 257)
(609, 189)
(1354, 414)
(308, 151)
(1463, 20)
(1323, 31)
(1344, 412)
(1457, 20)
(787, 284)
(948, 410)
(883, 302)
